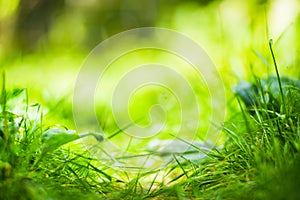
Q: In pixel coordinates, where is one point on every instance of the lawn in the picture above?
(199, 100)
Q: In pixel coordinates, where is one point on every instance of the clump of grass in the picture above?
(32, 167)
(37, 163)
(261, 154)
(19, 144)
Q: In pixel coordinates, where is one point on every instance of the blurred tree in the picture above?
(27, 29)
(34, 19)
(106, 18)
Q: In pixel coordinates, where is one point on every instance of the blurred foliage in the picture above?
(44, 42)
(32, 22)
(227, 29)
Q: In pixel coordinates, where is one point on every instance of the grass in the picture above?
(259, 160)
(37, 162)
(29, 168)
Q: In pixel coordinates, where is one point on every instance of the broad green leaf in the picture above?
(54, 138)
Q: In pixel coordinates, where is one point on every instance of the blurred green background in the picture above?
(43, 43)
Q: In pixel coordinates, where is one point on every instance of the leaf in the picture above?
(54, 138)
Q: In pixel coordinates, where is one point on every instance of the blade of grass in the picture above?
(277, 74)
